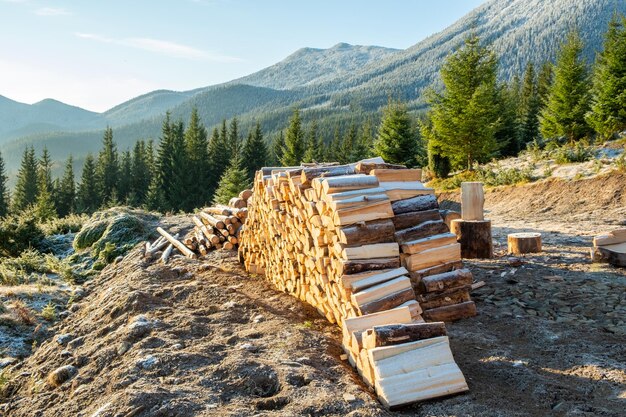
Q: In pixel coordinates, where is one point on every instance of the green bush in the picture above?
(68, 224)
(578, 152)
(18, 233)
(620, 162)
(22, 269)
(496, 176)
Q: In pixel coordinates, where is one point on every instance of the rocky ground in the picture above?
(203, 338)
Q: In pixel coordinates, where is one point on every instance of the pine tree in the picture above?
(397, 140)
(107, 167)
(196, 144)
(45, 170)
(176, 195)
(464, 118)
(233, 137)
(544, 83)
(349, 147)
(294, 141)
(234, 180)
(124, 183)
(568, 98)
(140, 173)
(333, 150)
(529, 107)
(508, 134)
(254, 154)
(4, 190)
(366, 138)
(608, 106)
(66, 190)
(88, 199)
(26, 189)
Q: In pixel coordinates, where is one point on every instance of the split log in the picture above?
(421, 231)
(388, 302)
(389, 175)
(402, 333)
(410, 219)
(419, 203)
(474, 237)
(373, 211)
(445, 298)
(377, 250)
(347, 183)
(362, 233)
(472, 201)
(522, 243)
(375, 279)
(327, 171)
(182, 248)
(613, 254)
(446, 280)
(357, 265)
(165, 256)
(381, 290)
(365, 167)
(432, 257)
(434, 241)
(449, 215)
(452, 312)
(612, 238)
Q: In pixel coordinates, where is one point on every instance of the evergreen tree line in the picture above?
(473, 119)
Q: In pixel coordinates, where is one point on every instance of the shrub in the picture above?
(18, 233)
(578, 152)
(620, 162)
(23, 313)
(49, 312)
(19, 270)
(68, 224)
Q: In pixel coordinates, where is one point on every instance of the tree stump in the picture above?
(521, 243)
(613, 254)
(474, 237)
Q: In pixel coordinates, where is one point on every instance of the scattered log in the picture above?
(522, 243)
(474, 237)
(182, 248)
(165, 256)
(613, 254)
(446, 280)
(212, 221)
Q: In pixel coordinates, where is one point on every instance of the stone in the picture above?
(4, 362)
(60, 375)
(63, 339)
(147, 362)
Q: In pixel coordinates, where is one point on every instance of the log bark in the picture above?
(522, 243)
(419, 203)
(474, 237)
(417, 276)
(212, 221)
(446, 281)
(413, 218)
(445, 298)
(451, 313)
(449, 215)
(364, 233)
(388, 302)
(422, 230)
(402, 333)
(308, 174)
(472, 201)
(182, 248)
(356, 266)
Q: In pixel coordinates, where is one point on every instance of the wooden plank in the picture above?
(380, 353)
(373, 211)
(381, 290)
(376, 278)
(413, 360)
(382, 174)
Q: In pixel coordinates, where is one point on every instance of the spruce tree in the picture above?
(233, 181)
(568, 98)
(216, 161)
(254, 154)
(233, 137)
(176, 195)
(88, 199)
(314, 148)
(276, 153)
(508, 134)
(107, 167)
(397, 140)
(464, 118)
(157, 197)
(608, 105)
(366, 138)
(26, 189)
(349, 147)
(333, 150)
(529, 107)
(294, 141)
(124, 183)
(544, 83)
(198, 169)
(140, 174)
(45, 208)
(4, 190)
(66, 190)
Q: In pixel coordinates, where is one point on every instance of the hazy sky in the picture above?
(96, 54)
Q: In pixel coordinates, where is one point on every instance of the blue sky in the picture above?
(96, 54)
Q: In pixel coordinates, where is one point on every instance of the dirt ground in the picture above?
(204, 339)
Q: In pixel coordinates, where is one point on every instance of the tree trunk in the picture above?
(522, 243)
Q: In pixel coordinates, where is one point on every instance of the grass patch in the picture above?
(491, 175)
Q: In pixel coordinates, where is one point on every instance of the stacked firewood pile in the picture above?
(216, 227)
(610, 247)
(356, 242)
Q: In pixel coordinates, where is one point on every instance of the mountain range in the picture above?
(333, 85)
